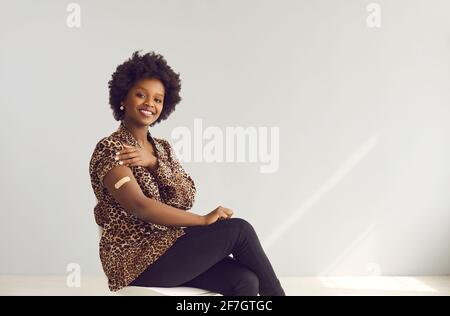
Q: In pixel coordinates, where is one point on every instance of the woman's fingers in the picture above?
(227, 212)
(126, 150)
(222, 214)
(131, 161)
(123, 157)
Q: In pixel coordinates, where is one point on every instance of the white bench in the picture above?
(164, 291)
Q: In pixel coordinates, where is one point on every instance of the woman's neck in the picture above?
(138, 131)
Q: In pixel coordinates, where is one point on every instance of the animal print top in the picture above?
(128, 245)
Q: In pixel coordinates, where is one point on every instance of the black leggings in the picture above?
(200, 259)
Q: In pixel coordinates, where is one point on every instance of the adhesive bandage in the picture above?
(121, 182)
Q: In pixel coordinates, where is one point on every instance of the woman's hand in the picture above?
(218, 214)
(133, 156)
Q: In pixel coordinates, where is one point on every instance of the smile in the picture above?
(146, 113)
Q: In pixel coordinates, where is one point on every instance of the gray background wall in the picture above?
(364, 176)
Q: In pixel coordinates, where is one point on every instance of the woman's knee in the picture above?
(242, 224)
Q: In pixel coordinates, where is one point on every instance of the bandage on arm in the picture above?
(124, 188)
(129, 195)
(121, 182)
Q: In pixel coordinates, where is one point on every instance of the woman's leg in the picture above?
(227, 277)
(204, 246)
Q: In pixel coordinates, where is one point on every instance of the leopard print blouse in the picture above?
(128, 245)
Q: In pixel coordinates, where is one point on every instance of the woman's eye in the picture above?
(158, 100)
(140, 95)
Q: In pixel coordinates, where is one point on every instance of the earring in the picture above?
(121, 107)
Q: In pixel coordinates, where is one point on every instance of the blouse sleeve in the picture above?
(106, 151)
(176, 186)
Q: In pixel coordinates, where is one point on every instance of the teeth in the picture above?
(146, 112)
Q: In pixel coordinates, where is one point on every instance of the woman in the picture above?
(143, 192)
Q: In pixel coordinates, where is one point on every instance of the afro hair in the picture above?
(150, 65)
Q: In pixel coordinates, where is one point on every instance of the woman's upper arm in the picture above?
(122, 185)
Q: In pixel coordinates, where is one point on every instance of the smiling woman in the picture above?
(143, 194)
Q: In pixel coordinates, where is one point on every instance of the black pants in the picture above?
(200, 259)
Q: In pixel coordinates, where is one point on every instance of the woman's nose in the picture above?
(147, 103)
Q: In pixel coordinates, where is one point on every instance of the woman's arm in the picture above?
(132, 199)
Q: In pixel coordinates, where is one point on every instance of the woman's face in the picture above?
(144, 101)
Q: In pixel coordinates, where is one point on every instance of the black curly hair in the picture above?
(150, 65)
